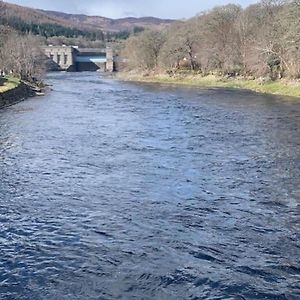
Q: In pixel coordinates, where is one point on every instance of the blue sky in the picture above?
(174, 9)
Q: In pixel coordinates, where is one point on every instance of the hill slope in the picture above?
(78, 21)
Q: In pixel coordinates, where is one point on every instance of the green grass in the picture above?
(277, 88)
(9, 84)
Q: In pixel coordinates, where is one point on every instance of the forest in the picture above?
(260, 41)
(49, 30)
(21, 55)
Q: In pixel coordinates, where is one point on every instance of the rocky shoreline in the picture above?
(18, 94)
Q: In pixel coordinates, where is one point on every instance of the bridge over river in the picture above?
(72, 58)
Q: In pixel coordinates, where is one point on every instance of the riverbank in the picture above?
(8, 83)
(283, 88)
(13, 90)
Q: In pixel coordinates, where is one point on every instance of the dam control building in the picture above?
(75, 59)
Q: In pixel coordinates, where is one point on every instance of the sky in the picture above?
(172, 9)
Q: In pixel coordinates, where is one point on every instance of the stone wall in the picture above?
(109, 60)
(15, 95)
(62, 56)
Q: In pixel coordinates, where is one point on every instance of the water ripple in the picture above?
(111, 190)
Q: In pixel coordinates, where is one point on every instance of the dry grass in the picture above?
(291, 89)
(9, 83)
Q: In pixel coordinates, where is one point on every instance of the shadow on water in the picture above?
(115, 190)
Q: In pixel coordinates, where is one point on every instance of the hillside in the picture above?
(106, 24)
(78, 21)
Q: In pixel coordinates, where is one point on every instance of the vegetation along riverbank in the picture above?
(8, 83)
(22, 66)
(279, 87)
(256, 48)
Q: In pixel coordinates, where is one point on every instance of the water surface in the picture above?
(113, 190)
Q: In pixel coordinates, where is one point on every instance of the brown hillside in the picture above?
(79, 21)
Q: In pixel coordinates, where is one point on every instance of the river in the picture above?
(113, 190)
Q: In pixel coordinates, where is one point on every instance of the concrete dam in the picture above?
(75, 59)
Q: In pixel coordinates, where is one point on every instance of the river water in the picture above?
(114, 190)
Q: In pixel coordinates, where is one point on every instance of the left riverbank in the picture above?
(14, 91)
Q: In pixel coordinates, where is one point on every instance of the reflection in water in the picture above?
(113, 190)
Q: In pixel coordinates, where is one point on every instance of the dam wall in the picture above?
(74, 59)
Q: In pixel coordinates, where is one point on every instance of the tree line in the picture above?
(49, 29)
(262, 40)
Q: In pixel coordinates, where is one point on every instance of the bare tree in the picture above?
(142, 51)
(262, 40)
(22, 56)
(180, 46)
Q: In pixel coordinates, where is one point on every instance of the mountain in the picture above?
(79, 21)
(107, 24)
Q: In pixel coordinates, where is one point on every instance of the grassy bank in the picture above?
(277, 88)
(8, 83)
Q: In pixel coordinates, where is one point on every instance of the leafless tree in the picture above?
(261, 40)
(142, 51)
(22, 56)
